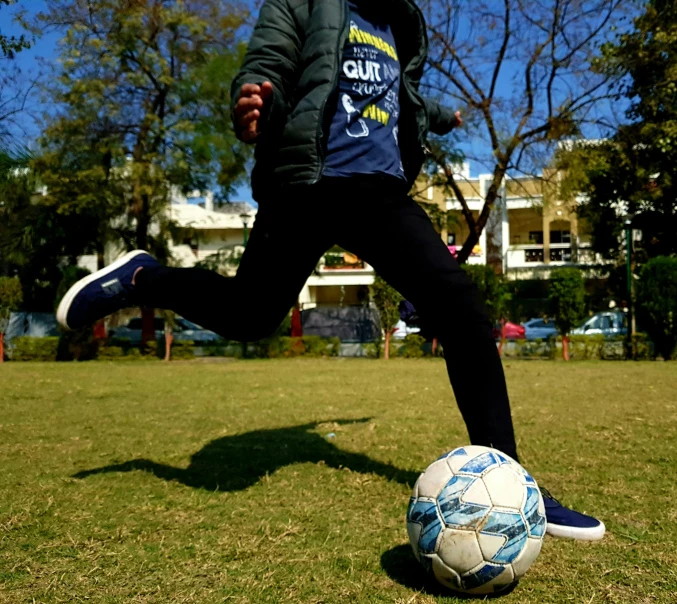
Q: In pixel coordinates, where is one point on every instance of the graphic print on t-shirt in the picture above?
(363, 132)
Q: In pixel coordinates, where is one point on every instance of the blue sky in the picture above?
(45, 50)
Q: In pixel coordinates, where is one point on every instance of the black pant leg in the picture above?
(284, 247)
(396, 237)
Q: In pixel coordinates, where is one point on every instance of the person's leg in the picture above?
(280, 254)
(285, 246)
(397, 238)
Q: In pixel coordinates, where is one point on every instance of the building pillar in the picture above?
(209, 201)
(573, 229)
(546, 238)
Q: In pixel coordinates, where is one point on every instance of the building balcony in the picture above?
(561, 254)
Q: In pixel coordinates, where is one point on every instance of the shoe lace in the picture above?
(549, 495)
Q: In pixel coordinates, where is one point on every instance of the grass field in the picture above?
(206, 483)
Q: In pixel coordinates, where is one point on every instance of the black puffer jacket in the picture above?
(297, 45)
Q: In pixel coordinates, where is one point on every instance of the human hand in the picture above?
(253, 99)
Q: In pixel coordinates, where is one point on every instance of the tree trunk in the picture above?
(169, 339)
(500, 346)
(565, 347)
(296, 327)
(2, 347)
(147, 326)
(386, 348)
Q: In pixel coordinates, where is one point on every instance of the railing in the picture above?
(520, 256)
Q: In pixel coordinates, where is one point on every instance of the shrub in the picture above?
(493, 289)
(182, 351)
(26, 348)
(11, 296)
(387, 300)
(309, 346)
(412, 346)
(657, 303)
(566, 299)
(110, 353)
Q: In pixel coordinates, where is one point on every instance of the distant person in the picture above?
(328, 92)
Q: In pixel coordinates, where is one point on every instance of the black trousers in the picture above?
(377, 221)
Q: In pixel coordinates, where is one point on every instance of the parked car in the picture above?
(512, 331)
(540, 329)
(609, 324)
(184, 330)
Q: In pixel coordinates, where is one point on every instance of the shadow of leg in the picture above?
(145, 465)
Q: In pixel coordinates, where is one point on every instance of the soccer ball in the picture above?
(476, 520)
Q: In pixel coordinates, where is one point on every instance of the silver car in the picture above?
(609, 324)
(184, 330)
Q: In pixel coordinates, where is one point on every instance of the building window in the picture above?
(560, 236)
(536, 237)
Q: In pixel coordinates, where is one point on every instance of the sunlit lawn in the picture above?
(206, 483)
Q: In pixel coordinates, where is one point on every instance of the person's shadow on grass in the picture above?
(234, 463)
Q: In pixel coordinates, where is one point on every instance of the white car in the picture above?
(402, 330)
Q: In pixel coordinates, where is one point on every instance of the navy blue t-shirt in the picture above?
(363, 132)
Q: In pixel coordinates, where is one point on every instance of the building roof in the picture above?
(195, 217)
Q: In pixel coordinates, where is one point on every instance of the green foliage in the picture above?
(26, 348)
(633, 171)
(493, 288)
(582, 348)
(657, 303)
(35, 239)
(143, 91)
(412, 346)
(306, 346)
(566, 298)
(11, 298)
(387, 300)
(10, 45)
(182, 350)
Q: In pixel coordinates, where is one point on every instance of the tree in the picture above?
(14, 90)
(10, 300)
(387, 300)
(566, 299)
(633, 172)
(35, 241)
(493, 289)
(525, 71)
(142, 98)
(141, 81)
(10, 45)
(657, 303)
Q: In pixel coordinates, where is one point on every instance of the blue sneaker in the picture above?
(563, 522)
(102, 293)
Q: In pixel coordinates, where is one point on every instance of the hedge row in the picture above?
(53, 349)
(581, 348)
(413, 346)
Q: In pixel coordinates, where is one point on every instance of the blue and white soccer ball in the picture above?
(476, 520)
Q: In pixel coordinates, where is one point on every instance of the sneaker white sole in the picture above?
(570, 532)
(67, 300)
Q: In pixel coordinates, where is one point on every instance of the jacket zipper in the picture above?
(320, 125)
